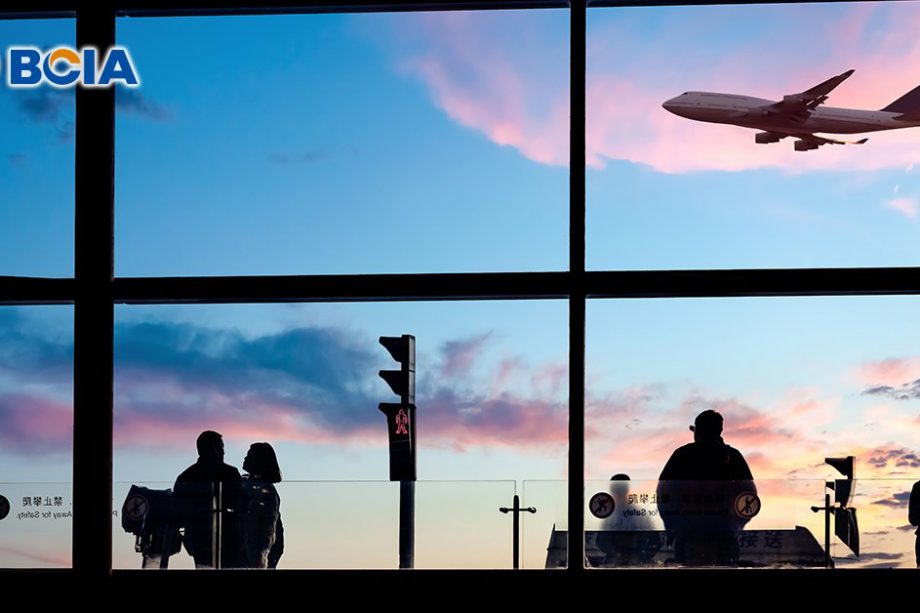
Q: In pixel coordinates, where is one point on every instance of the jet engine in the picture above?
(762, 138)
(804, 145)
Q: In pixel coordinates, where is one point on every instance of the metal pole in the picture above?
(516, 539)
(407, 524)
(827, 530)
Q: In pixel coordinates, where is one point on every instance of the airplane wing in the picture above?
(807, 142)
(800, 106)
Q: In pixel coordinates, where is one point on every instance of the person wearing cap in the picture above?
(696, 493)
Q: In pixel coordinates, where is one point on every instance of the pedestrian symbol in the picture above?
(402, 422)
(747, 505)
(601, 505)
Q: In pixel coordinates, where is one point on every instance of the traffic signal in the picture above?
(402, 381)
(843, 488)
(845, 526)
(401, 415)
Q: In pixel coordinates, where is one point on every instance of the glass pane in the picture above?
(665, 191)
(406, 142)
(704, 523)
(544, 533)
(795, 381)
(491, 398)
(36, 161)
(329, 525)
(36, 429)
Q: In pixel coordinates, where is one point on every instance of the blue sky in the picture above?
(439, 143)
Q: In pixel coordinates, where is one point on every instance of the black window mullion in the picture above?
(576, 472)
(93, 310)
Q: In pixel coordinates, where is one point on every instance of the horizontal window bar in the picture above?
(476, 286)
(32, 290)
(158, 8)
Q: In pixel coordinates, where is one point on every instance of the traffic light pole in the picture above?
(827, 530)
(827, 508)
(407, 524)
(402, 435)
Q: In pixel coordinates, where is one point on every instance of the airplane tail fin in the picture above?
(910, 116)
(908, 104)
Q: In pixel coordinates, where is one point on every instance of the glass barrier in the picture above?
(703, 523)
(777, 523)
(543, 533)
(354, 524)
(324, 525)
(35, 525)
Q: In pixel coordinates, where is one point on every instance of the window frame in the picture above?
(94, 290)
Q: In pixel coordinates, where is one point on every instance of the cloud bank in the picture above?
(504, 75)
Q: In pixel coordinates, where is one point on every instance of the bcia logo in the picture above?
(64, 67)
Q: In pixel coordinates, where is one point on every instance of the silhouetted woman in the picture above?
(263, 533)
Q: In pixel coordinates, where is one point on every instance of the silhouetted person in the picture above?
(636, 541)
(913, 516)
(208, 491)
(263, 533)
(696, 495)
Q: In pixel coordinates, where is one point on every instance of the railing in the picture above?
(354, 525)
(777, 530)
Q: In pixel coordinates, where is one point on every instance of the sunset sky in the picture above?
(439, 143)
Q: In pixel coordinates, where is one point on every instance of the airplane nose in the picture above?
(669, 105)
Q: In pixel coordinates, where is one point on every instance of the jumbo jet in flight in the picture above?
(799, 116)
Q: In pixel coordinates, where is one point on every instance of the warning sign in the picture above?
(747, 505)
(601, 505)
(136, 507)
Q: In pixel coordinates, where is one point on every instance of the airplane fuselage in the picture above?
(750, 112)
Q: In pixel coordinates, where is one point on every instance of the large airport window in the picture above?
(36, 430)
(491, 412)
(732, 260)
(796, 381)
(36, 162)
(355, 143)
(695, 118)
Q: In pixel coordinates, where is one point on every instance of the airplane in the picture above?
(798, 116)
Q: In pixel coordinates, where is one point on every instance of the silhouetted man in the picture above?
(696, 495)
(208, 496)
(913, 516)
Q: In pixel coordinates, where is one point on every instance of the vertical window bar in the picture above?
(576, 519)
(93, 309)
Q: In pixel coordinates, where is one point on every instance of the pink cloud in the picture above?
(505, 420)
(161, 409)
(552, 377)
(892, 371)
(458, 356)
(643, 431)
(479, 75)
(35, 424)
(904, 205)
(36, 558)
(473, 72)
(507, 369)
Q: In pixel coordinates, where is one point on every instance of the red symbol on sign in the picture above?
(402, 422)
